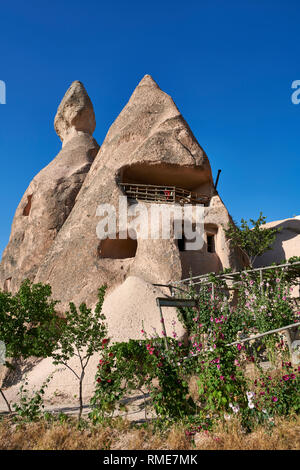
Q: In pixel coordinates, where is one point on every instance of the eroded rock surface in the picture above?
(51, 195)
(149, 143)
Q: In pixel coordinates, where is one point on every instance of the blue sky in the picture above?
(228, 65)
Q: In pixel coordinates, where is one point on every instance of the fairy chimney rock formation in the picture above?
(54, 235)
(149, 143)
(51, 195)
(54, 238)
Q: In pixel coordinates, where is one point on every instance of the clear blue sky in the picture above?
(228, 65)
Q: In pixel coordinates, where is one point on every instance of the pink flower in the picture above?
(274, 399)
(222, 377)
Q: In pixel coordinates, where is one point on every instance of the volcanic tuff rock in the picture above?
(149, 138)
(286, 244)
(75, 114)
(51, 195)
(54, 237)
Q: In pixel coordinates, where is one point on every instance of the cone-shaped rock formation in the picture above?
(54, 238)
(51, 195)
(149, 143)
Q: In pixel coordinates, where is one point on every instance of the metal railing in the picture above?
(286, 329)
(204, 278)
(180, 286)
(162, 194)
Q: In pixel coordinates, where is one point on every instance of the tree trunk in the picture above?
(80, 396)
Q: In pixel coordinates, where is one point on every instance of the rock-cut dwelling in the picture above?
(150, 155)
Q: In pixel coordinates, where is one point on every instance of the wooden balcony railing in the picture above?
(162, 194)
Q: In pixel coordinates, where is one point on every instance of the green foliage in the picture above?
(160, 368)
(29, 325)
(30, 406)
(267, 302)
(81, 335)
(255, 240)
(278, 395)
(261, 304)
(221, 382)
(125, 367)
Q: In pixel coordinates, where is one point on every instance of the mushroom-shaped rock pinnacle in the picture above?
(75, 113)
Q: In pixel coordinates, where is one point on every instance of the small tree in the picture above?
(253, 241)
(83, 334)
(29, 325)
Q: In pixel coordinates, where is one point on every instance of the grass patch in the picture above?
(120, 434)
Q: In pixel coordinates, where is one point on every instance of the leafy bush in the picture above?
(255, 240)
(29, 325)
(81, 336)
(224, 389)
(30, 406)
(125, 367)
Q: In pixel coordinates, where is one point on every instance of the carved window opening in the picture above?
(117, 249)
(181, 243)
(27, 208)
(210, 243)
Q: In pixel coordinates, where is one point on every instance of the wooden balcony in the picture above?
(162, 194)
